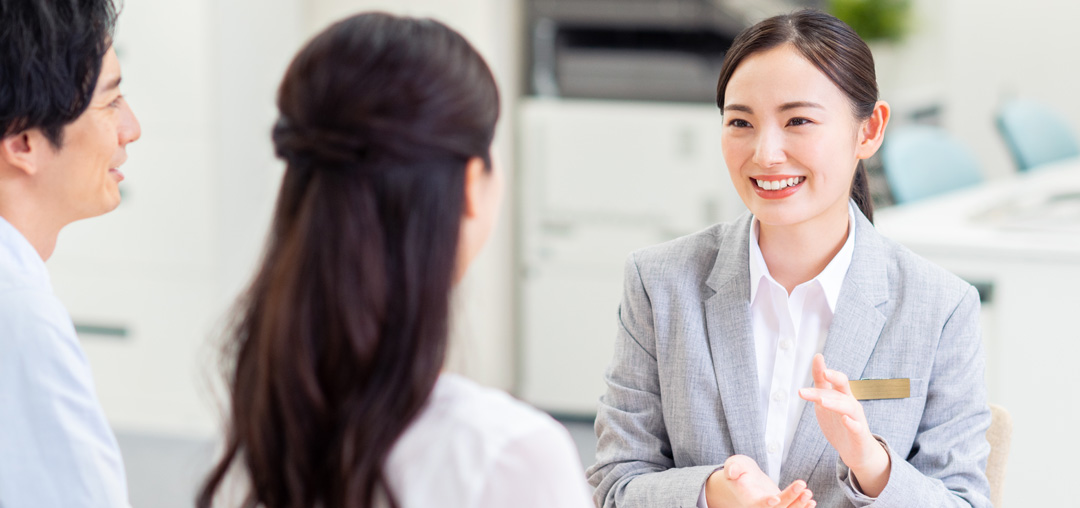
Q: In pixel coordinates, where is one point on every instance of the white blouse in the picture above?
(789, 329)
(477, 447)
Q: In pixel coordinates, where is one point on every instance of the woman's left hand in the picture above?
(843, 422)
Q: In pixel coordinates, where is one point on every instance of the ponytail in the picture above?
(860, 192)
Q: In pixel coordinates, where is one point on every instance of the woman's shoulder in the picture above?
(695, 253)
(915, 277)
(482, 421)
(461, 436)
(487, 411)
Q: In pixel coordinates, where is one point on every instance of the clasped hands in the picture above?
(742, 483)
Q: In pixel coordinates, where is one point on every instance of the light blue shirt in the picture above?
(56, 448)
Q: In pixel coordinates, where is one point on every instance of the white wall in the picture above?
(972, 54)
(166, 265)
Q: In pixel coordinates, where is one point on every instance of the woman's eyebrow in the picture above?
(783, 107)
(799, 104)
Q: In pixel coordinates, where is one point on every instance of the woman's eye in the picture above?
(739, 123)
(798, 121)
(116, 102)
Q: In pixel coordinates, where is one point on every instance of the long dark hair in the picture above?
(832, 46)
(342, 335)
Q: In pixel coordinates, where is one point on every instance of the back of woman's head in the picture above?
(342, 335)
(834, 48)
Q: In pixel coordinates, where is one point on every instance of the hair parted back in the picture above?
(834, 48)
(341, 337)
(50, 59)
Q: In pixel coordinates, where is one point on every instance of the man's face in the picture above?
(83, 173)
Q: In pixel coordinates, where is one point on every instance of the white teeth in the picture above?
(779, 184)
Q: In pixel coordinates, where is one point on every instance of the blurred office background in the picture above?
(610, 141)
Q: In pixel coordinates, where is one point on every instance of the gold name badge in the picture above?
(872, 389)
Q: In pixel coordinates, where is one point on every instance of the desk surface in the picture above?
(1029, 217)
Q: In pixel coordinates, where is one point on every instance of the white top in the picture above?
(788, 331)
(56, 448)
(476, 447)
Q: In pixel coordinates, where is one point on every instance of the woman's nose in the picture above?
(769, 148)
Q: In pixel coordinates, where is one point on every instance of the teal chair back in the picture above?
(1035, 134)
(922, 161)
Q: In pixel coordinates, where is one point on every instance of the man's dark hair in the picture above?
(50, 60)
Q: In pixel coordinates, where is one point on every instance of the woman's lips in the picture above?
(778, 186)
(117, 174)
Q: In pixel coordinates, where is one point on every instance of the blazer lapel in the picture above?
(731, 343)
(854, 333)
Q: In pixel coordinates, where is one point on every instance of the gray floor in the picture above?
(165, 472)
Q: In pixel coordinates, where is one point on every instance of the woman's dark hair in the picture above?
(341, 337)
(830, 45)
(50, 60)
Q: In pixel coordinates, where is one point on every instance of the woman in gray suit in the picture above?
(730, 381)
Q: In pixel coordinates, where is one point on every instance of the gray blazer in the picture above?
(682, 387)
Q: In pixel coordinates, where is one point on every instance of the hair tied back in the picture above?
(302, 146)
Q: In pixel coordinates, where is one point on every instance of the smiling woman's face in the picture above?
(790, 139)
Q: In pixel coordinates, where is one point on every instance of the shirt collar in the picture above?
(831, 278)
(17, 255)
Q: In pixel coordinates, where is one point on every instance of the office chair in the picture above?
(1035, 134)
(1000, 437)
(922, 161)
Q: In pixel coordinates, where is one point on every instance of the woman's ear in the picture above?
(872, 131)
(477, 213)
(475, 170)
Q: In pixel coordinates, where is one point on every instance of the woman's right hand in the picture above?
(742, 484)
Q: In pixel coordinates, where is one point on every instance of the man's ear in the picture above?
(22, 150)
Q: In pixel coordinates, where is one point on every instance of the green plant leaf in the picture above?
(874, 20)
